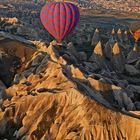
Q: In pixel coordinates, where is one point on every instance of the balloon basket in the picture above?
(57, 43)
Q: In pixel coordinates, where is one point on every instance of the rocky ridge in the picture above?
(57, 92)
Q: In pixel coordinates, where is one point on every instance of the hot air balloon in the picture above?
(59, 18)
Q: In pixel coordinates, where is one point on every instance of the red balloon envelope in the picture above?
(59, 18)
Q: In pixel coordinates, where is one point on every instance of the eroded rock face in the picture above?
(59, 93)
(66, 115)
(57, 100)
(13, 57)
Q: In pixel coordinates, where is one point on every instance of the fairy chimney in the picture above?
(125, 37)
(117, 58)
(98, 56)
(119, 35)
(133, 55)
(95, 38)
